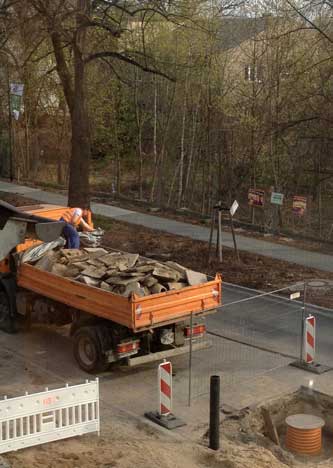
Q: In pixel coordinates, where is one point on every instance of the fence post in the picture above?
(214, 413)
(302, 323)
(190, 363)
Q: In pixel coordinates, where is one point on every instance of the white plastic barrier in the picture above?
(47, 416)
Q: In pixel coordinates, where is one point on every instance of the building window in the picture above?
(253, 73)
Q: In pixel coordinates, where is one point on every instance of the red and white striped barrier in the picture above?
(309, 339)
(164, 416)
(165, 388)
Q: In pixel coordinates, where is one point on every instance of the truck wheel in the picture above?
(6, 321)
(88, 350)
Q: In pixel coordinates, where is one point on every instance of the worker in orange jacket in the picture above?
(73, 218)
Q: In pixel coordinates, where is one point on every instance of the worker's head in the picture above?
(86, 214)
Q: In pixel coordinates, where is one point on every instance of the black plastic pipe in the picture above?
(214, 413)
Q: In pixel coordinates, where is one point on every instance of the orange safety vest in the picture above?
(69, 215)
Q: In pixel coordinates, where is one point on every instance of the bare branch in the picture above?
(307, 19)
(129, 60)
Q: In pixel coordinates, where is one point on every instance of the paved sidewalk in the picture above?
(269, 249)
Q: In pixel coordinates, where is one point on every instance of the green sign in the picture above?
(277, 198)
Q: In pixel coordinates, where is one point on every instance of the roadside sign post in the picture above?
(216, 219)
(232, 211)
(256, 198)
(277, 201)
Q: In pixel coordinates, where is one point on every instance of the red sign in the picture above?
(299, 205)
(256, 197)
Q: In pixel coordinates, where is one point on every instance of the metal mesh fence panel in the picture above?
(247, 338)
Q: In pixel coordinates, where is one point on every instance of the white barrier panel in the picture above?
(48, 416)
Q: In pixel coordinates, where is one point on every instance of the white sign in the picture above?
(17, 89)
(16, 114)
(295, 295)
(234, 207)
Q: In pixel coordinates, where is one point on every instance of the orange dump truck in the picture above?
(105, 327)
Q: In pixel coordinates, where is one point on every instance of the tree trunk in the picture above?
(182, 156)
(139, 123)
(79, 194)
(156, 159)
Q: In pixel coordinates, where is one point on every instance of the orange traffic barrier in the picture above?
(304, 434)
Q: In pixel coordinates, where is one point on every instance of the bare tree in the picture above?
(80, 32)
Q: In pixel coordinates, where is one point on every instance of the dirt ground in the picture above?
(126, 446)
(253, 271)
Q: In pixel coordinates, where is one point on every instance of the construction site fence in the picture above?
(250, 337)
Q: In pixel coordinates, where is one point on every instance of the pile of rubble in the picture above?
(118, 272)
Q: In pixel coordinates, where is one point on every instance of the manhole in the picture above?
(318, 284)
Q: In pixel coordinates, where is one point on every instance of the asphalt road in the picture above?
(271, 322)
(43, 357)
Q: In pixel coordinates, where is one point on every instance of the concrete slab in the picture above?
(93, 272)
(313, 367)
(195, 277)
(169, 422)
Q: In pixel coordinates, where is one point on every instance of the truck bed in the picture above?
(136, 313)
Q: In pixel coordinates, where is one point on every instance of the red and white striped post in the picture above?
(165, 388)
(309, 339)
(164, 416)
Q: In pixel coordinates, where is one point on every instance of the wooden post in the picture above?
(212, 223)
(220, 234)
(217, 233)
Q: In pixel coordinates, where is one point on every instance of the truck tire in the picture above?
(88, 350)
(6, 320)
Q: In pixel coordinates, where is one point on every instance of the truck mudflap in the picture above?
(160, 355)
